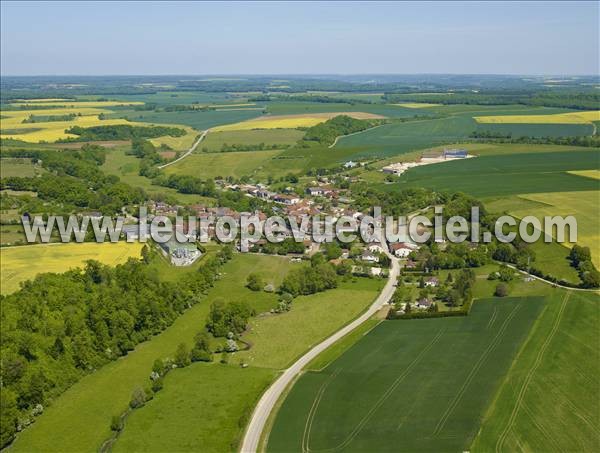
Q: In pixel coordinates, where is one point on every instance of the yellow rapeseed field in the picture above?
(18, 264)
(70, 103)
(594, 174)
(290, 121)
(12, 125)
(416, 105)
(557, 118)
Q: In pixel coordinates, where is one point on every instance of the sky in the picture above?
(119, 38)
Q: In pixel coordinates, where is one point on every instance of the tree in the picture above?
(8, 416)
(407, 308)
(115, 423)
(254, 282)
(421, 282)
(182, 356)
(501, 290)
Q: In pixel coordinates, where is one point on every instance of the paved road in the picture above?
(188, 152)
(570, 288)
(267, 402)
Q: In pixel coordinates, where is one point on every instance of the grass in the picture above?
(214, 141)
(196, 410)
(23, 168)
(209, 414)
(548, 400)
(418, 385)
(560, 118)
(210, 165)
(126, 167)
(86, 408)
(23, 263)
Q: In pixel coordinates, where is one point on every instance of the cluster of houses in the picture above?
(427, 158)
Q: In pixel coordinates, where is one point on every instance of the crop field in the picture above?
(561, 118)
(417, 105)
(498, 175)
(199, 120)
(291, 121)
(23, 263)
(86, 115)
(594, 174)
(546, 402)
(420, 385)
(537, 130)
(214, 141)
(236, 164)
(72, 104)
(200, 411)
(308, 108)
(583, 205)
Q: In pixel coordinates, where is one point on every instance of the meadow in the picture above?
(214, 141)
(18, 167)
(199, 409)
(25, 262)
(200, 400)
(420, 385)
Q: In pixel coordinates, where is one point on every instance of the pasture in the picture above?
(420, 385)
(214, 141)
(545, 401)
(87, 407)
(209, 415)
(23, 168)
(236, 164)
(25, 262)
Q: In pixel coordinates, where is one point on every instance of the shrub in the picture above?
(138, 398)
(501, 290)
(157, 385)
(115, 423)
(182, 356)
(254, 282)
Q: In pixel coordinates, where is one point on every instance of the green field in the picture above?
(23, 168)
(199, 120)
(499, 175)
(200, 411)
(419, 385)
(548, 400)
(537, 130)
(86, 408)
(215, 140)
(126, 167)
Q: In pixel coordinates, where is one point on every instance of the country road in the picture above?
(267, 402)
(188, 152)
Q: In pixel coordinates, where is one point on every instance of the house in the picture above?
(424, 303)
(376, 271)
(92, 215)
(432, 282)
(315, 191)
(369, 257)
(350, 164)
(402, 249)
(285, 199)
(133, 232)
(375, 247)
(455, 154)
